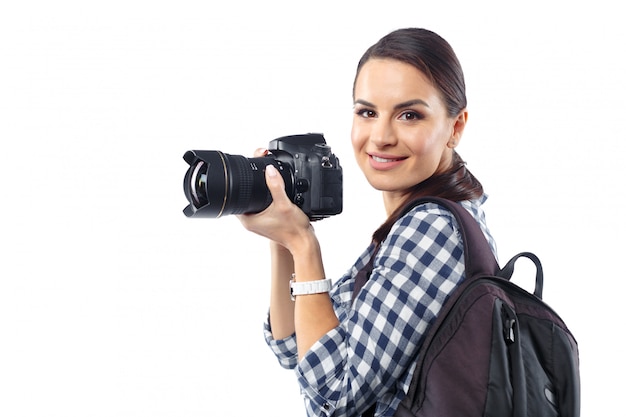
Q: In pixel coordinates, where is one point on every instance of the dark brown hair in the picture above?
(434, 57)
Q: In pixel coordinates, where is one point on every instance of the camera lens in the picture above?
(198, 185)
(218, 184)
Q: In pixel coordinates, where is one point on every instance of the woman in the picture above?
(409, 116)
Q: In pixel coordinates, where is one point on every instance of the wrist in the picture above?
(276, 249)
(308, 287)
(306, 246)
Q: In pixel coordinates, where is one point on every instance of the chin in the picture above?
(383, 184)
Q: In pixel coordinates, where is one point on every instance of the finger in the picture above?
(260, 152)
(276, 185)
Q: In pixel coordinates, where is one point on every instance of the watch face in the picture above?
(293, 296)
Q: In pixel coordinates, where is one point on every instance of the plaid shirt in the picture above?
(371, 355)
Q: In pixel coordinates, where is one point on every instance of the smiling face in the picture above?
(401, 131)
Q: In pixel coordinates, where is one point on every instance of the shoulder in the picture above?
(427, 219)
(427, 233)
(436, 224)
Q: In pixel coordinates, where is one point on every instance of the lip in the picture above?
(384, 162)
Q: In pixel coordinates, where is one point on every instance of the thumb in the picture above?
(275, 184)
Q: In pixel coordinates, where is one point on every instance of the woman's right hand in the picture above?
(282, 221)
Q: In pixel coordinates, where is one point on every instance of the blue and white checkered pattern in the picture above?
(371, 355)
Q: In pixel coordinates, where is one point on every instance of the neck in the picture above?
(393, 200)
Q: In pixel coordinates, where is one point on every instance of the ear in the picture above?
(457, 129)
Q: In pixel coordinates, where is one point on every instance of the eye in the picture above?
(365, 113)
(411, 115)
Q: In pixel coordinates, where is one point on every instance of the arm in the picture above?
(314, 314)
(281, 307)
(294, 248)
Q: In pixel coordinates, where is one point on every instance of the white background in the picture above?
(113, 303)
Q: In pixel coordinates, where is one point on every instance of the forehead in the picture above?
(393, 80)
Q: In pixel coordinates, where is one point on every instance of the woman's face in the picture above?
(401, 132)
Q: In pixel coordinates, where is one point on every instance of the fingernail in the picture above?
(271, 171)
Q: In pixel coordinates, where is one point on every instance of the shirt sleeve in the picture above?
(369, 356)
(286, 350)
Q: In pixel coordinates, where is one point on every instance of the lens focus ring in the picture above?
(241, 184)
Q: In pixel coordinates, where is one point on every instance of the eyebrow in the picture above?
(397, 106)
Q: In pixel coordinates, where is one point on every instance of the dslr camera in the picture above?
(217, 184)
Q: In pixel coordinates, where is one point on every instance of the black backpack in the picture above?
(494, 350)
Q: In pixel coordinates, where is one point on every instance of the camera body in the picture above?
(218, 184)
(317, 186)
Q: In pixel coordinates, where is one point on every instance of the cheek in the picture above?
(357, 138)
(429, 142)
(432, 153)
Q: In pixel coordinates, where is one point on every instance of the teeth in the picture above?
(377, 159)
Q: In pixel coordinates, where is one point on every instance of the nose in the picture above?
(382, 134)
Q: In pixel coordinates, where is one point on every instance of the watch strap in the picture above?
(309, 287)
